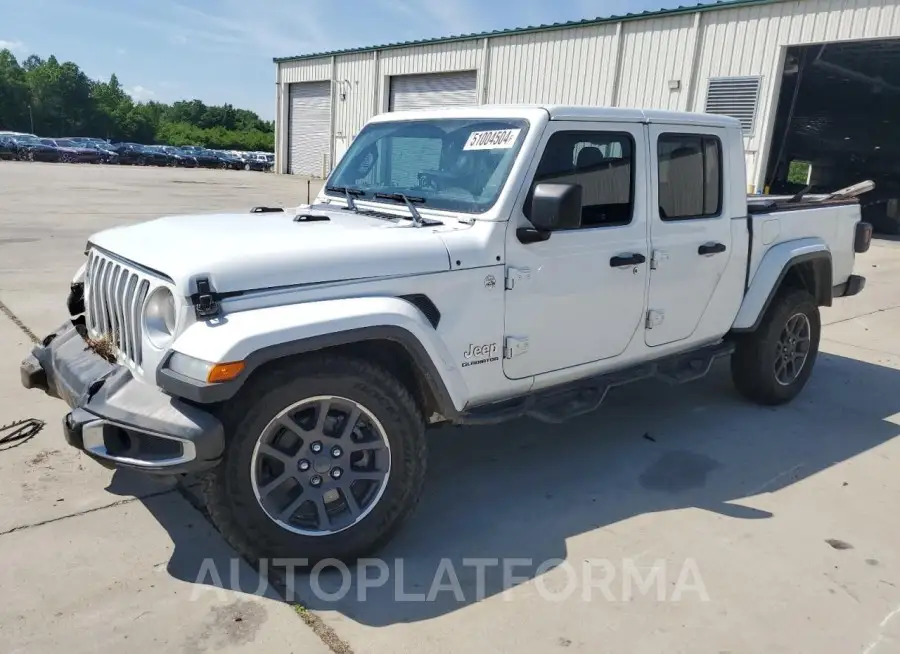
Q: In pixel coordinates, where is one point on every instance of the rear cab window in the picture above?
(690, 176)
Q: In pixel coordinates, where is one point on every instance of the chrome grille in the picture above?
(114, 298)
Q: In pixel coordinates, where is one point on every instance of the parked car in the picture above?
(129, 153)
(31, 148)
(7, 148)
(177, 157)
(227, 160)
(306, 410)
(9, 133)
(154, 157)
(140, 155)
(254, 162)
(107, 152)
(71, 152)
(205, 158)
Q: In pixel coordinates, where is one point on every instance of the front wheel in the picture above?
(772, 365)
(325, 458)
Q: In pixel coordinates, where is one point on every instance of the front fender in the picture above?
(262, 335)
(771, 271)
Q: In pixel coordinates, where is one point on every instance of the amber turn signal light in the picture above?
(222, 372)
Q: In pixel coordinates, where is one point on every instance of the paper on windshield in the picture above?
(496, 139)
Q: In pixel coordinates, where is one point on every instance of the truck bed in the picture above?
(807, 223)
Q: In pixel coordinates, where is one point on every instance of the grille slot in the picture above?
(114, 299)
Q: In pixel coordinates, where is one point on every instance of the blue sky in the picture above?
(221, 50)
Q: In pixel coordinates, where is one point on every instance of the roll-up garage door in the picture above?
(436, 90)
(310, 121)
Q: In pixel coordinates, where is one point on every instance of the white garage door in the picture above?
(310, 121)
(437, 90)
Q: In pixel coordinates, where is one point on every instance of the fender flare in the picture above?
(259, 336)
(775, 265)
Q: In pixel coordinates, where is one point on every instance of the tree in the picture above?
(14, 97)
(65, 102)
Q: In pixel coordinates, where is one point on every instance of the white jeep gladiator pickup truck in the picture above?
(459, 266)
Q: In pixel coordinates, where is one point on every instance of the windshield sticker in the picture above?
(497, 139)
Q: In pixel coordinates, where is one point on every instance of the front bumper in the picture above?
(116, 419)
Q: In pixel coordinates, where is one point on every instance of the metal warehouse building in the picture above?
(811, 80)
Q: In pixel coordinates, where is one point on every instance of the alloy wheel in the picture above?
(320, 466)
(792, 349)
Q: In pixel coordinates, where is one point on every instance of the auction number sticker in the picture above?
(497, 139)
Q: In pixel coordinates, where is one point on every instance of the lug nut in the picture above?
(336, 473)
(316, 447)
(316, 481)
(336, 451)
(303, 465)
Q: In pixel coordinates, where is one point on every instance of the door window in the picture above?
(602, 163)
(690, 176)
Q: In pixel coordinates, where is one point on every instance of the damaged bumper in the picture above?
(116, 419)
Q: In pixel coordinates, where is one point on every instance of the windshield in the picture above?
(449, 164)
(65, 143)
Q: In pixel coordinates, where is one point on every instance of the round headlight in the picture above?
(159, 317)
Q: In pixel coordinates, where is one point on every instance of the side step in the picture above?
(585, 395)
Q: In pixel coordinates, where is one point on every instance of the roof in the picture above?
(722, 4)
(564, 112)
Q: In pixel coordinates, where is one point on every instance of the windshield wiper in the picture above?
(349, 193)
(417, 219)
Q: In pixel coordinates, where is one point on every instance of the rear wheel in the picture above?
(325, 458)
(772, 365)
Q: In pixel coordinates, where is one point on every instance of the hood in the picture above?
(247, 251)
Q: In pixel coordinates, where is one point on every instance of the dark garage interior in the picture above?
(838, 123)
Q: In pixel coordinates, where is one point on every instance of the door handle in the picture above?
(627, 260)
(711, 248)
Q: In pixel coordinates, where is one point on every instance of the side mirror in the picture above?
(553, 207)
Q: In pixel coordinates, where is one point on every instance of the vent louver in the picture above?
(734, 96)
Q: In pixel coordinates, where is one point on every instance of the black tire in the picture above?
(753, 363)
(228, 490)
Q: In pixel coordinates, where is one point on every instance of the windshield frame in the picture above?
(514, 122)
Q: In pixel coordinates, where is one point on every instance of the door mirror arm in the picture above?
(528, 235)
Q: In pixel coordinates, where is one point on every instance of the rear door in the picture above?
(690, 231)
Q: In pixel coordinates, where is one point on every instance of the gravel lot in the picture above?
(675, 519)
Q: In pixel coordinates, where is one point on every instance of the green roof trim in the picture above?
(722, 4)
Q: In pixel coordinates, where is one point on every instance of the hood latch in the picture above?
(205, 300)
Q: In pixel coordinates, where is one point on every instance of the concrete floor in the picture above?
(675, 519)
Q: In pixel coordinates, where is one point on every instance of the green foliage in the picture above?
(53, 99)
(798, 172)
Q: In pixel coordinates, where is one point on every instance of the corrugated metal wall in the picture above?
(355, 87)
(654, 52)
(441, 57)
(580, 65)
(565, 67)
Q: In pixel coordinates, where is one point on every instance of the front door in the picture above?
(690, 231)
(578, 297)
